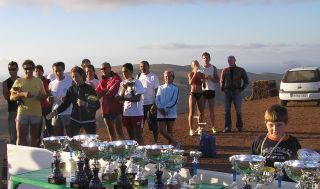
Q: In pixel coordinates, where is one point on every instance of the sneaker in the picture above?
(213, 130)
(199, 130)
(226, 130)
(191, 132)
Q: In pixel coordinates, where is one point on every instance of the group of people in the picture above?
(68, 103)
(203, 80)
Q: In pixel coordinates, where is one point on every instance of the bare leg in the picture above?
(139, 135)
(192, 102)
(111, 130)
(211, 110)
(22, 133)
(200, 107)
(166, 131)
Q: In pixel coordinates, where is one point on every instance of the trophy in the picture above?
(279, 172)
(247, 165)
(56, 144)
(174, 165)
(305, 154)
(265, 176)
(82, 177)
(139, 157)
(94, 150)
(122, 149)
(158, 154)
(306, 173)
(195, 179)
(109, 174)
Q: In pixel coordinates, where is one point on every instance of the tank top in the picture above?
(12, 105)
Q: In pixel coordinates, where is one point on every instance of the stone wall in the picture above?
(263, 89)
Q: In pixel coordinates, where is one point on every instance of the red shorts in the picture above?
(132, 121)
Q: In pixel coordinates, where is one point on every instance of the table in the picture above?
(39, 179)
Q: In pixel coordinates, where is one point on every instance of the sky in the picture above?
(263, 35)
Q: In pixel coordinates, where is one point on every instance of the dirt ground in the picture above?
(304, 123)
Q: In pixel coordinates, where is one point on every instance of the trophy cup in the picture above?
(139, 157)
(81, 179)
(247, 165)
(56, 145)
(265, 176)
(158, 154)
(94, 150)
(174, 165)
(305, 154)
(305, 173)
(109, 174)
(122, 149)
(195, 179)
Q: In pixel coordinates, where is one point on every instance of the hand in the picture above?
(50, 99)
(163, 112)
(81, 103)
(51, 115)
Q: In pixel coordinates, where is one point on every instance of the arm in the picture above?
(191, 77)
(5, 91)
(93, 104)
(173, 101)
(65, 102)
(245, 79)
(215, 75)
(222, 80)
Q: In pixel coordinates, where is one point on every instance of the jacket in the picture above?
(237, 81)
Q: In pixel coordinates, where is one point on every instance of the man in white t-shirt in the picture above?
(209, 93)
(130, 92)
(150, 82)
(58, 89)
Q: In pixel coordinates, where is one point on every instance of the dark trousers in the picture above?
(74, 128)
(48, 129)
(151, 120)
(232, 97)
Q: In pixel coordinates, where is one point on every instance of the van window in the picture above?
(301, 76)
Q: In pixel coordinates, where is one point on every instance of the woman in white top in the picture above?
(166, 101)
(90, 73)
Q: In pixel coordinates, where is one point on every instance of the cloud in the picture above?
(174, 46)
(111, 4)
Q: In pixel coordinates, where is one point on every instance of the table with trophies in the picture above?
(117, 173)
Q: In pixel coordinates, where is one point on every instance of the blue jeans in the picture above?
(235, 98)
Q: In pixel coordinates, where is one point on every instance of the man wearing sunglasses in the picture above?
(31, 90)
(12, 105)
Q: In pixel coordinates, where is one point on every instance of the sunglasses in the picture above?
(28, 68)
(105, 68)
(12, 69)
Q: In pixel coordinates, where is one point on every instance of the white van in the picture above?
(300, 84)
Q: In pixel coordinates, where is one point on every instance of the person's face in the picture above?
(89, 73)
(85, 64)
(28, 70)
(58, 71)
(127, 74)
(205, 59)
(144, 68)
(77, 78)
(195, 64)
(276, 129)
(105, 69)
(231, 61)
(13, 70)
(168, 78)
(39, 72)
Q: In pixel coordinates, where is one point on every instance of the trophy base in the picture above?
(56, 180)
(79, 185)
(116, 186)
(172, 186)
(109, 177)
(140, 182)
(131, 176)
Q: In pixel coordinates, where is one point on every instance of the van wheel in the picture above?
(283, 102)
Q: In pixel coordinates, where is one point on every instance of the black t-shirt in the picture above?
(12, 105)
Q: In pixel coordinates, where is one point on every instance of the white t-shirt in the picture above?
(94, 81)
(209, 71)
(59, 90)
(52, 76)
(132, 108)
(150, 82)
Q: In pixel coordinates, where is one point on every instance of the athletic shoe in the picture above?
(191, 132)
(213, 130)
(199, 130)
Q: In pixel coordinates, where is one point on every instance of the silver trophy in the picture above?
(195, 179)
(159, 154)
(109, 173)
(83, 173)
(306, 173)
(248, 166)
(265, 176)
(94, 150)
(305, 154)
(279, 172)
(122, 149)
(139, 158)
(56, 144)
(174, 165)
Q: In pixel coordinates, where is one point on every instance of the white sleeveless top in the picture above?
(209, 71)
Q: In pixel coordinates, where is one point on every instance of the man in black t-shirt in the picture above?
(12, 105)
(276, 145)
